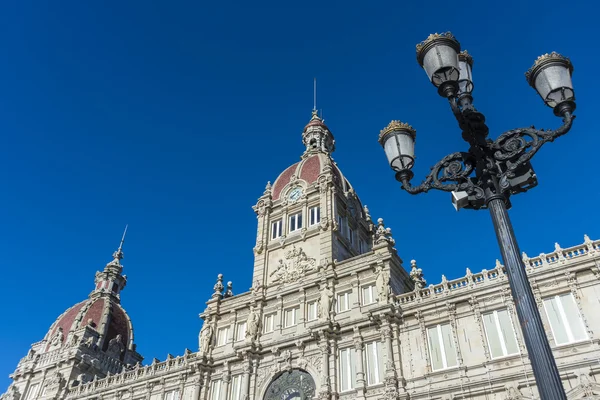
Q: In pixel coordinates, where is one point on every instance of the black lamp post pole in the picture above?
(539, 351)
(491, 171)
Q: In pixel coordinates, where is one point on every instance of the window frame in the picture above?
(564, 319)
(373, 292)
(216, 394)
(297, 218)
(503, 344)
(224, 329)
(237, 331)
(235, 379)
(294, 311)
(378, 357)
(442, 347)
(276, 229)
(347, 298)
(351, 370)
(309, 305)
(271, 327)
(169, 395)
(314, 215)
(32, 394)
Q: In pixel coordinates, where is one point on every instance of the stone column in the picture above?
(398, 354)
(246, 379)
(390, 380)
(324, 391)
(334, 364)
(252, 392)
(205, 386)
(197, 386)
(226, 379)
(361, 383)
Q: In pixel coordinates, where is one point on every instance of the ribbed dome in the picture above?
(97, 312)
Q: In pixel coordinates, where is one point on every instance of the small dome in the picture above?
(91, 312)
(309, 170)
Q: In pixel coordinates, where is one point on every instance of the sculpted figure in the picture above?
(115, 346)
(382, 284)
(57, 339)
(205, 337)
(326, 302)
(253, 325)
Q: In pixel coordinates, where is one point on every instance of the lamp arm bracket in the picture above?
(451, 173)
(516, 147)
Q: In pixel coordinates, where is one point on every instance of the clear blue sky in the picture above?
(172, 116)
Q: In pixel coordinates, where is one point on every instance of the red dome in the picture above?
(308, 170)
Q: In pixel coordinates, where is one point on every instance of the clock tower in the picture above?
(309, 217)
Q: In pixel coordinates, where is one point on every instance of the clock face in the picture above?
(295, 194)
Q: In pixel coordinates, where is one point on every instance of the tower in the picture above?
(310, 216)
(92, 339)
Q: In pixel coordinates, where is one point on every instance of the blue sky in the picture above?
(172, 116)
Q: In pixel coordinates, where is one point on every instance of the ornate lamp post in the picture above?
(491, 171)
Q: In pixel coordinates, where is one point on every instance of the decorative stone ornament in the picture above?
(382, 282)
(57, 339)
(253, 325)
(218, 288)
(416, 274)
(206, 335)
(295, 266)
(326, 302)
(383, 235)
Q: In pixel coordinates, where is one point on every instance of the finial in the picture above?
(229, 291)
(218, 288)
(118, 255)
(383, 234)
(416, 274)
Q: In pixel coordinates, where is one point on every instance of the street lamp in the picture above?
(491, 171)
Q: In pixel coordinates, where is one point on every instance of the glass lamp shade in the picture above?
(398, 142)
(438, 55)
(465, 65)
(550, 76)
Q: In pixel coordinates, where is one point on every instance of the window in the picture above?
(269, 323)
(215, 390)
(362, 246)
(276, 229)
(347, 375)
(33, 391)
(350, 235)
(315, 215)
(373, 358)
(240, 333)
(311, 311)
(236, 388)
(441, 347)
(341, 225)
(565, 321)
(289, 317)
(172, 395)
(343, 302)
(295, 222)
(222, 334)
(368, 295)
(500, 334)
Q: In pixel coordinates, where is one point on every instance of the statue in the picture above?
(115, 347)
(382, 282)
(57, 339)
(206, 334)
(326, 302)
(252, 325)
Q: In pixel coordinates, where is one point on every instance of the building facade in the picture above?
(331, 314)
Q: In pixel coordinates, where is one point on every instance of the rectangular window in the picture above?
(441, 347)
(311, 311)
(343, 302)
(240, 333)
(315, 215)
(276, 229)
(295, 222)
(236, 388)
(269, 323)
(500, 334)
(33, 391)
(341, 225)
(565, 320)
(368, 295)
(289, 317)
(347, 374)
(373, 359)
(351, 235)
(172, 395)
(215, 390)
(362, 246)
(222, 334)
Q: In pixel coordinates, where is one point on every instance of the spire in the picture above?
(118, 255)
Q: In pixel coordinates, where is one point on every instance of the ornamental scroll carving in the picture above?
(294, 266)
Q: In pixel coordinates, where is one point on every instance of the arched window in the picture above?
(292, 385)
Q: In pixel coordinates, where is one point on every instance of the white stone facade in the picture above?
(332, 314)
